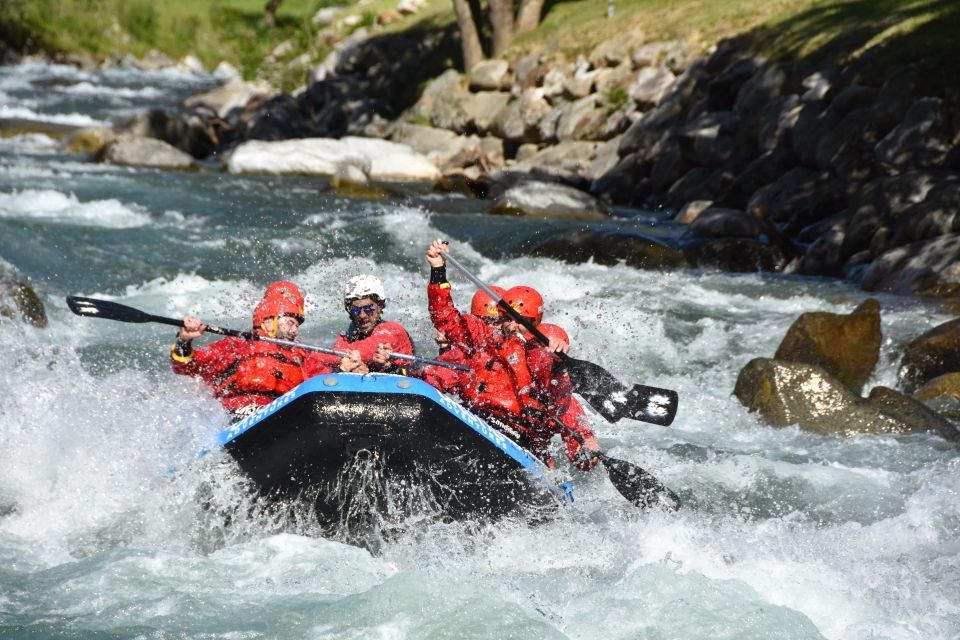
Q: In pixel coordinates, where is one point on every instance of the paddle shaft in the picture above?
(510, 311)
(109, 310)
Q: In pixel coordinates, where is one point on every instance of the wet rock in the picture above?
(550, 200)
(736, 255)
(717, 222)
(947, 385)
(933, 354)
(134, 151)
(89, 140)
(846, 346)
(912, 415)
(795, 393)
(18, 301)
(635, 249)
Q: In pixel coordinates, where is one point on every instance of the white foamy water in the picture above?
(53, 206)
(25, 113)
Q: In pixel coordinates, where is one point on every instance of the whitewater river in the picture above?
(784, 534)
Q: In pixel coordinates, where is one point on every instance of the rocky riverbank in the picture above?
(772, 165)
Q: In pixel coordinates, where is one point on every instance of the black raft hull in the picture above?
(355, 444)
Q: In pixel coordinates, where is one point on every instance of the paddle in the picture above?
(635, 484)
(94, 308)
(607, 395)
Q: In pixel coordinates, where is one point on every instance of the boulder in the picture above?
(737, 255)
(568, 160)
(135, 151)
(89, 140)
(609, 248)
(946, 385)
(650, 85)
(912, 415)
(234, 94)
(551, 200)
(796, 393)
(921, 141)
(717, 222)
(489, 75)
(381, 160)
(845, 346)
(926, 268)
(932, 354)
(518, 120)
(18, 301)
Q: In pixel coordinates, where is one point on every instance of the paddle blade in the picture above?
(638, 486)
(611, 399)
(94, 308)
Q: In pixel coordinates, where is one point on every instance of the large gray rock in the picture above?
(489, 75)
(135, 151)
(550, 200)
(518, 120)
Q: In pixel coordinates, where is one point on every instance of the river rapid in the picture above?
(784, 534)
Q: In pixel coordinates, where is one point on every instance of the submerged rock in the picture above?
(18, 300)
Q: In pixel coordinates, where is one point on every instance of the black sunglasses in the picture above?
(367, 309)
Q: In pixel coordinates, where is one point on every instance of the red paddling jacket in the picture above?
(241, 372)
(499, 385)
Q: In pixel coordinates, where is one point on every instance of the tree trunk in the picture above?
(469, 36)
(529, 16)
(501, 19)
(270, 12)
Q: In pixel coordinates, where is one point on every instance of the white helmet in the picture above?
(364, 286)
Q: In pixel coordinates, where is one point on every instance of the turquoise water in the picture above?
(784, 534)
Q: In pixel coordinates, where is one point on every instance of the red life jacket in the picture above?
(267, 371)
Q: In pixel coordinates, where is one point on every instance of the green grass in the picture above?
(920, 37)
(213, 30)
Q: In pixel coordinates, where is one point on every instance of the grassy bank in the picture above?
(213, 30)
(917, 36)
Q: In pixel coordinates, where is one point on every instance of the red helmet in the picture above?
(526, 301)
(289, 291)
(553, 331)
(275, 306)
(484, 306)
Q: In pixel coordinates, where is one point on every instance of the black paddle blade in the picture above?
(94, 308)
(638, 486)
(611, 399)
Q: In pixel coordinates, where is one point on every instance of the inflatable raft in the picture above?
(395, 432)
